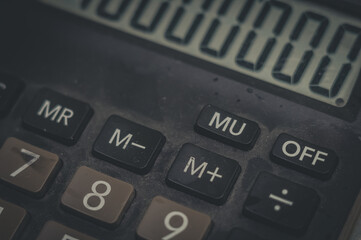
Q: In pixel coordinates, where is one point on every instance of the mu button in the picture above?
(57, 116)
(128, 144)
(303, 156)
(227, 128)
(203, 173)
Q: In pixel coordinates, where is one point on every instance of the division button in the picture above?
(203, 173)
(282, 203)
(167, 220)
(12, 218)
(228, 128)
(98, 197)
(128, 144)
(57, 116)
(55, 231)
(27, 167)
(303, 156)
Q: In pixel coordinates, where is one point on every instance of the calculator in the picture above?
(180, 119)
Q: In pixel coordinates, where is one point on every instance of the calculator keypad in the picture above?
(203, 173)
(11, 219)
(57, 116)
(97, 196)
(167, 220)
(55, 231)
(27, 167)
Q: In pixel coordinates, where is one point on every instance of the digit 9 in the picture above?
(175, 230)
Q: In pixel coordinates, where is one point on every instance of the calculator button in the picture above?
(27, 167)
(303, 156)
(128, 144)
(240, 234)
(167, 220)
(282, 203)
(203, 173)
(57, 116)
(98, 197)
(55, 231)
(10, 89)
(228, 128)
(11, 219)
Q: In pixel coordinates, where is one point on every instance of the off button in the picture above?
(303, 156)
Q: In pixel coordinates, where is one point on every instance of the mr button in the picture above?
(57, 116)
(280, 202)
(204, 174)
(226, 127)
(303, 156)
(128, 144)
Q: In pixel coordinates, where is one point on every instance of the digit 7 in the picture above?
(28, 164)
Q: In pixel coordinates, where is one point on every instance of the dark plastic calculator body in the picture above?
(119, 81)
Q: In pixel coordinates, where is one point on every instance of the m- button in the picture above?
(57, 116)
(204, 174)
(303, 156)
(128, 144)
(228, 128)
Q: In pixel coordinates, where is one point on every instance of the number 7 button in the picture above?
(27, 167)
(98, 197)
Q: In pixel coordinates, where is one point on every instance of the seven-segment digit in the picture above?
(141, 11)
(28, 164)
(307, 55)
(177, 20)
(103, 7)
(95, 193)
(175, 230)
(271, 41)
(338, 82)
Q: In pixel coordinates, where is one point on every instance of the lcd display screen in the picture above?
(296, 45)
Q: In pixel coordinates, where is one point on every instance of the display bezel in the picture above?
(348, 112)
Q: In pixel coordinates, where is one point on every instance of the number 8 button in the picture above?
(97, 196)
(167, 220)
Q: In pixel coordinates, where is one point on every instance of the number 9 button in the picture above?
(98, 197)
(168, 220)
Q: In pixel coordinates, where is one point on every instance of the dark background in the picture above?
(163, 90)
